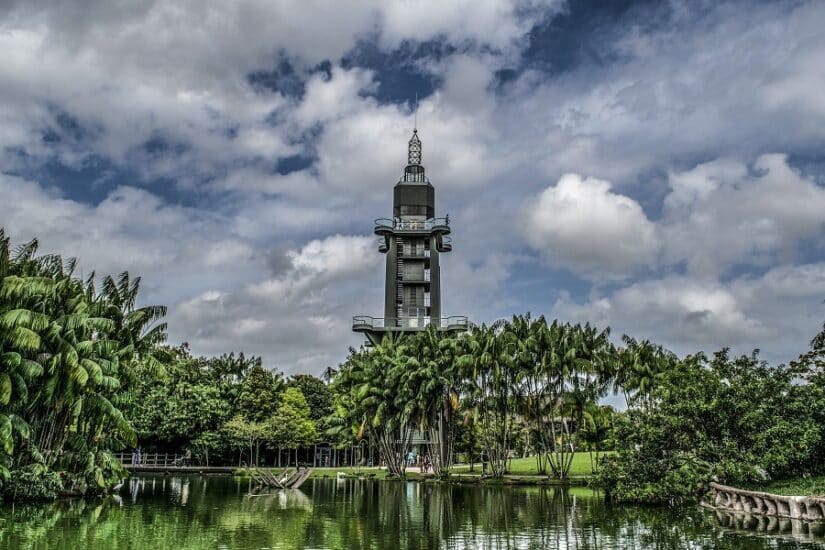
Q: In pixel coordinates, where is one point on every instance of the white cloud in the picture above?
(732, 79)
(736, 217)
(582, 224)
(778, 311)
(493, 22)
(262, 269)
(304, 311)
(179, 251)
(335, 96)
(179, 69)
(716, 216)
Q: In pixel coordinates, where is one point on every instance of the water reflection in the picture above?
(778, 528)
(203, 512)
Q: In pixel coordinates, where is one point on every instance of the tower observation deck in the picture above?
(412, 240)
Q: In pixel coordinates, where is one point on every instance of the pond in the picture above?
(219, 512)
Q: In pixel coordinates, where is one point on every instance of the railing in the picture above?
(365, 322)
(414, 254)
(152, 460)
(456, 321)
(416, 278)
(433, 224)
(755, 502)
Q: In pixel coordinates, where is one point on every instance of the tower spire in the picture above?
(414, 149)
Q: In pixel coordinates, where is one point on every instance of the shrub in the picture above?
(33, 483)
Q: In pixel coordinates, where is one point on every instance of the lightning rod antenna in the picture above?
(415, 113)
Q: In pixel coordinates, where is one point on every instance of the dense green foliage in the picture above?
(317, 394)
(223, 409)
(523, 384)
(69, 356)
(736, 420)
(806, 485)
(291, 426)
(534, 387)
(84, 372)
(35, 482)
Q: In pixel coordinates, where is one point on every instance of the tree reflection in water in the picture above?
(201, 512)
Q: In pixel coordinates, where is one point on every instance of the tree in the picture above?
(316, 393)
(639, 367)
(811, 364)
(596, 430)
(430, 375)
(579, 376)
(260, 392)
(250, 434)
(291, 426)
(733, 418)
(208, 442)
(488, 384)
(534, 342)
(66, 354)
(371, 397)
(191, 403)
(469, 440)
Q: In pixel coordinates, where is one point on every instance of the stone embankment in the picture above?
(755, 502)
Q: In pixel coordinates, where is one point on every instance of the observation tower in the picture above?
(412, 240)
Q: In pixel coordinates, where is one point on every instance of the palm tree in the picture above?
(596, 429)
(140, 330)
(372, 395)
(430, 376)
(63, 351)
(534, 354)
(640, 365)
(487, 370)
(579, 376)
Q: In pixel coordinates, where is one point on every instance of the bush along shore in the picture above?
(86, 373)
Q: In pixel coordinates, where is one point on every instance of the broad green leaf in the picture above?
(5, 388)
(6, 439)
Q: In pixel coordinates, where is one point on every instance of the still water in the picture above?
(219, 512)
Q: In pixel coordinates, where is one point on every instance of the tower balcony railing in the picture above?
(432, 225)
(414, 254)
(455, 322)
(412, 278)
(367, 323)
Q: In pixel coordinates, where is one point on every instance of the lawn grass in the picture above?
(580, 468)
(809, 486)
(373, 472)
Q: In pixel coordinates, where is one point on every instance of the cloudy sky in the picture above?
(658, 167)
